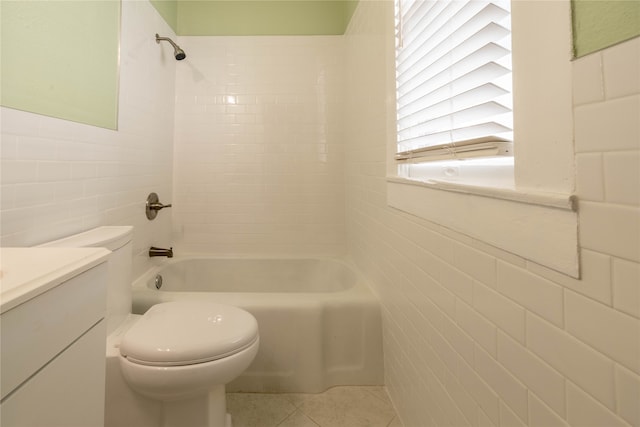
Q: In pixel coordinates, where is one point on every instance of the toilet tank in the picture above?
(118, 240)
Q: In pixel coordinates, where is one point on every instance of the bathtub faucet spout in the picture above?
(153, 251)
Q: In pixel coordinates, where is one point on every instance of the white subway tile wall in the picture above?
(259, 146)
(622, 177)
(610, 228)
(575, 360)
(583, 410)
(540, 415)
(510, 390)
(610, 125)
(549, 350)
(588, 82)
(60, 177)
(628, 392)
(626, 277)
(590, 176)
(534, 293)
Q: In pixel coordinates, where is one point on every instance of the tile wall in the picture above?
(477, 336)
(60, 177)
(258, 146)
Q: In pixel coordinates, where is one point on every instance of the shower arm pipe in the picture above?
(166, 39)
(177, 52)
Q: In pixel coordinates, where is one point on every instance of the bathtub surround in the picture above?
(259, 146)
(60, 177)
(477, 336)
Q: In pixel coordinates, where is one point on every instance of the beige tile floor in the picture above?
(362, 406)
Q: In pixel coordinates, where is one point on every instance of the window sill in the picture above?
(540, 227)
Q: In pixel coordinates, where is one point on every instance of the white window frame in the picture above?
(530, 211)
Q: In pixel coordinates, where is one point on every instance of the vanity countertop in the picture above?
(28, 272)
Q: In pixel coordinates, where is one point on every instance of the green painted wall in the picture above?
(60, 58)
(256, 17)
(168, 9)
(598, 24)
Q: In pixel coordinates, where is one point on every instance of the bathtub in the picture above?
(320, 325)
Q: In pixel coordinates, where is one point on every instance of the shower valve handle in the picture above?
(153, 206)
(158, 206)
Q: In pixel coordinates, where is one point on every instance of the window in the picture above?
(453, 81)
(533, 215)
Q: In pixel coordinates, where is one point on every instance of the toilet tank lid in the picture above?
(110, 237)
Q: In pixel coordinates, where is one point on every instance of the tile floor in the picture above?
(337, 407)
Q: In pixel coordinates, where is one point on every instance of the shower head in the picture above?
(177, 52)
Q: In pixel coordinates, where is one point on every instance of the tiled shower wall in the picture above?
(60, 177)
(259, 146)
(474, 335)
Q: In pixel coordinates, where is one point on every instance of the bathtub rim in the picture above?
(139, 284)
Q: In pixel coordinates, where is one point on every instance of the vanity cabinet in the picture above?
(53, 336)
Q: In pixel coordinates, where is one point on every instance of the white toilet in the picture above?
(178, 355)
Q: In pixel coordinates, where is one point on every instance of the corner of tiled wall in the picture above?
(477, 336)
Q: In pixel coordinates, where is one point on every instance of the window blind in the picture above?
(453, 77)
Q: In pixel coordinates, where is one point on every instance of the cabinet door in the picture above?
(67, 392)
(34, 332)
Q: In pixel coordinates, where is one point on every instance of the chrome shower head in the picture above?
(177, 52)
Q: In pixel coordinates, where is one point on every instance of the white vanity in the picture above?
(52, 341)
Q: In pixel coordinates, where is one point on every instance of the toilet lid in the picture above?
(188, 332)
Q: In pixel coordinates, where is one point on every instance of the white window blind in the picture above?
(453, 77)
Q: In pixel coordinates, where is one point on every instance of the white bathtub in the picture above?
(319, 323)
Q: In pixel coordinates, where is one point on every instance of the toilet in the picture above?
(169, 366)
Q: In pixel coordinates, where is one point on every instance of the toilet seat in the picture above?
(183, 333)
